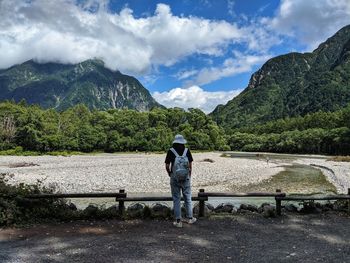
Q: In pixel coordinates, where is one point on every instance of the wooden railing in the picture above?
(121, 197)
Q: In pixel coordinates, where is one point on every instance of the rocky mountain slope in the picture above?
(59, 86)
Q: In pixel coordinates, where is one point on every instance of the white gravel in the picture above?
(136, 173)
(145, 173)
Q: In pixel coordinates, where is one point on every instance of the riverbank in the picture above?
(338, 173)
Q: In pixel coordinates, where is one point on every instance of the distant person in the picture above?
(267, 159)
(178, 164)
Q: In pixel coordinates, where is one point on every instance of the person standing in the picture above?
(178, 164)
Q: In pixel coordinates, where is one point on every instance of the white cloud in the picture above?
(230, 8)
(263, 8)
(240, 63)
(260, 38)
(65, 32)
(184, 74)
(71, 31)
(149, 79)
(194, 97)
(311, 22)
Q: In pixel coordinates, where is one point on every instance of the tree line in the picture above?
(316, 133)
(122, 130)
(116, 130)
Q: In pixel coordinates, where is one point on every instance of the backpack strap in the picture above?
(185, 152)
(174, 152)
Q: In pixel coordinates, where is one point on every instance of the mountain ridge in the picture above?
(60, 86)
(293, 84)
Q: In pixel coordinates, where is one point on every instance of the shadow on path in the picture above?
(241, 238)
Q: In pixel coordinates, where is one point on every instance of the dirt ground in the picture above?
(239, 238)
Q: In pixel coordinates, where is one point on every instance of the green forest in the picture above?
(315, 133)
(79, 129)
(32, 128)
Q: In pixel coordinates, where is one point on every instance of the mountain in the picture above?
(59, 86)
(293, 85)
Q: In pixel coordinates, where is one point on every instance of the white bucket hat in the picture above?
(179, 139)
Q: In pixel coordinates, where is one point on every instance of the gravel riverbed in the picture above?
(145, 173)
(133, 172)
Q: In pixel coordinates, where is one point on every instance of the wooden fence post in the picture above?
(278, 203)
(121, 203)
(201, 205)
(349, 201)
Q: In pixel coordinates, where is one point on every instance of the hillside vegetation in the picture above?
(293, 85)
(317, 133)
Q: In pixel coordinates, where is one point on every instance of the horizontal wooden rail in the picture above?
(217, 194)
(156, 198)
(80, 195)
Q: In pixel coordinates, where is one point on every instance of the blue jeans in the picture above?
(176, 188)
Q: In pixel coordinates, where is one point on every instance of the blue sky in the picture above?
(222, 10)
(186, 53)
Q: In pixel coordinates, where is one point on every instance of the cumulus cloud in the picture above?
(65, 31)
(311, 22)
(194, 97)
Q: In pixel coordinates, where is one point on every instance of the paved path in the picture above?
(241, 238)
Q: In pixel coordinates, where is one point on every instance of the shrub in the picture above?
(16, 209)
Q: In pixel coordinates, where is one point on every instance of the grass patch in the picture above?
(295, 179)
(18, 151)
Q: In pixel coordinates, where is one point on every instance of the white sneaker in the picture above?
(192, 220)
(177, 224)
